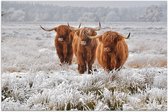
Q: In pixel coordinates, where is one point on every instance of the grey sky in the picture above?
(106, 3)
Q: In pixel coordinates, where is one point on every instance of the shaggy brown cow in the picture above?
(63, 42)
(112, 50)
(84, 48)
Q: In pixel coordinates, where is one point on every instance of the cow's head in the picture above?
(85, 33)
(110, 39)
(62, 30)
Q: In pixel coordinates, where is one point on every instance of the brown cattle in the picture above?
(84, 48)
(112, 50)
(63, 42)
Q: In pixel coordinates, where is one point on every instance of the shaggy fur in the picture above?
(112, 51)
(64, 45)
(63, 42)
(84, 49)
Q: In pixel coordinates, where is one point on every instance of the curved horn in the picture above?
(98, 28)
(75, 29)
(93, 37)
(128, 36)
(99, 24)
(79, 25)
(68, 24)
(48, 29)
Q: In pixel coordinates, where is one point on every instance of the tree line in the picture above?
(34, 12)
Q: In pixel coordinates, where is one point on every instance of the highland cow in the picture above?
(112, 50)
(84, 48)
(63, 42)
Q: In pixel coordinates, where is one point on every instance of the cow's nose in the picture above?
(83, 42)
(107, 49)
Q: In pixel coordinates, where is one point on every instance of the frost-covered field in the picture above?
(31, 78)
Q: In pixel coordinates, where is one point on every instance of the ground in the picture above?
(32, 79)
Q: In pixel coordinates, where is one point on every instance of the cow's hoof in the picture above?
(95, 70)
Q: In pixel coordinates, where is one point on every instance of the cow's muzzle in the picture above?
(107, 49)
(83, 42)
(60, 39)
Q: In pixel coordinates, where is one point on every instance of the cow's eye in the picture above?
(86, 32)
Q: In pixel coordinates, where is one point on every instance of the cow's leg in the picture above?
(89, 68)
(90, 63)
(113, 62)
(60, 53)
(81, 63)
(65, 52)
(69, 57)
(81, 68)
(61, 57)
(91, 58)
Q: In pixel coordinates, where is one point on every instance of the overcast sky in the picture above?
(99, 3)
(106, 3)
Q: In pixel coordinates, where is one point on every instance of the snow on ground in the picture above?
(32, 79)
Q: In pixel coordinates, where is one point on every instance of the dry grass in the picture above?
(148, 60)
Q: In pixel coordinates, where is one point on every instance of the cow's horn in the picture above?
(79, 25)
(128, 36)
(48, 29)
(75, 29)
(98, 28)
(93, 37)
(68, 24)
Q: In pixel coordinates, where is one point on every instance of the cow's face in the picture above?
(84, 34)
(110, 40)
(63, 30)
